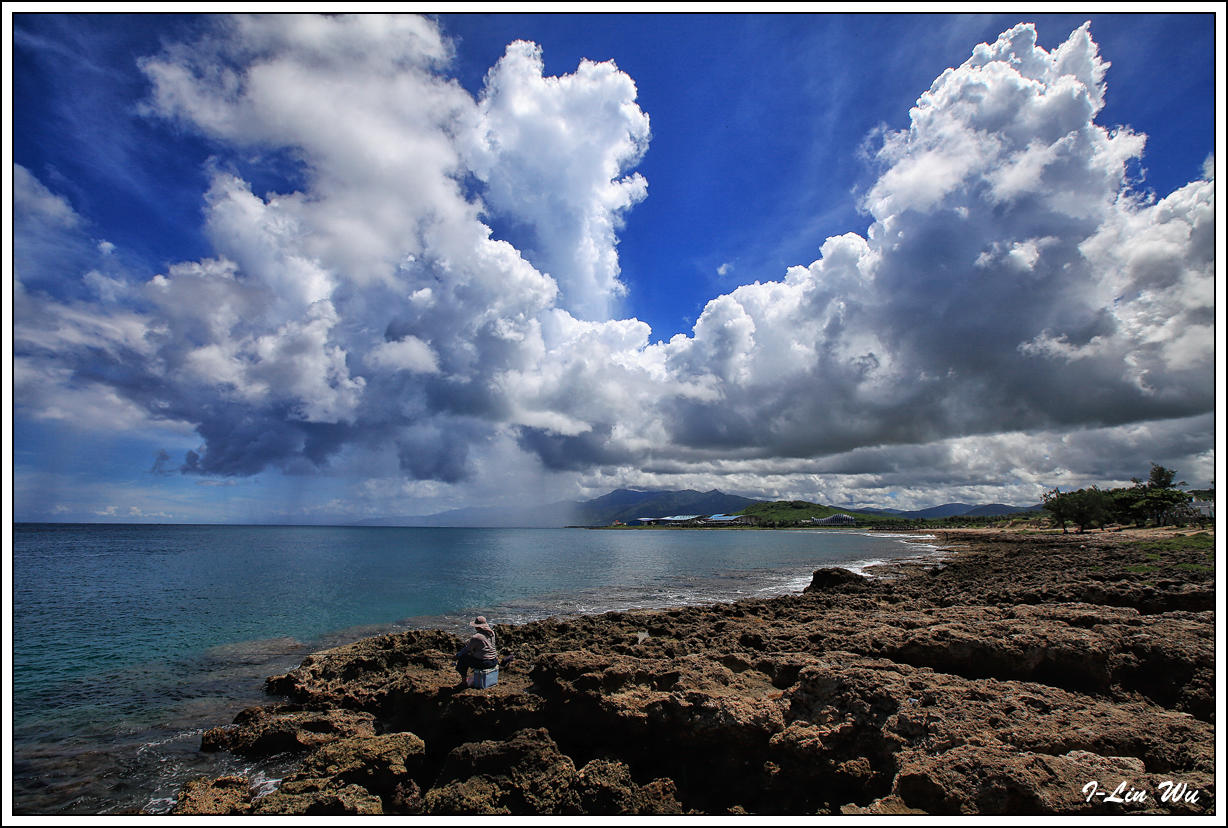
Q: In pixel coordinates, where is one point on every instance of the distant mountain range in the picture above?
(956, 510)
(629, 504)
(620, 504)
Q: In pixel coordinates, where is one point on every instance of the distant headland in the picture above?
(628, 507)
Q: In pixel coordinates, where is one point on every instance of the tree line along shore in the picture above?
(1157, 501)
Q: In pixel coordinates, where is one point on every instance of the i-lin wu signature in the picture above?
(1170, 791)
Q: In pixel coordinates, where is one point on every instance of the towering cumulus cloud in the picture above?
(1009, 281)
(1011, 285)
(551, 152)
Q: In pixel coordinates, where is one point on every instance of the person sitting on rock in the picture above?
(479, 651)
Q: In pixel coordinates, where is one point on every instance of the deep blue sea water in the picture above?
(129, 641)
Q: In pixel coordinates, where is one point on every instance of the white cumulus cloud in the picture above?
(1010, 283)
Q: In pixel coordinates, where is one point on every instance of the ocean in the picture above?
(129, 641)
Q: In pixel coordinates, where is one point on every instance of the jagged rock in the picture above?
(260, 731)
(833, 578)
(412, 689)
(384, 765)
(311, 797)
(996, 780)
(356, 775)
(890, 805)
(605, 787)
(912, 724)
(223, 796)
(374, 762)
(525, 774)
(351, 673)
(921, 709)
(659, 797)
(1170, 658)
(698, 702)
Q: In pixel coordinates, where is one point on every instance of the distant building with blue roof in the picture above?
(696, 520)
(835, 520)
(728, 520)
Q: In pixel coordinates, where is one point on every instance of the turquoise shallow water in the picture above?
(130, 640)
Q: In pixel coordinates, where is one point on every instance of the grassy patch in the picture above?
(1198, 541)
(1159, 552)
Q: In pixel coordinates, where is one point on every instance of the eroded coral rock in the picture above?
(996, 780)
(606, 787)
(526, 774)
(311, 797)
(260, 731)
(836, 579)
(223, 796)
(1000, 682)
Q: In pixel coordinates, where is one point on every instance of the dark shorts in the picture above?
(465, 661)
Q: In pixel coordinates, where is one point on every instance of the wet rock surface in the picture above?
(1021, 675)
(261, 731)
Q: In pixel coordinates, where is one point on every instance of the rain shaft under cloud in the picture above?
(1011, 282)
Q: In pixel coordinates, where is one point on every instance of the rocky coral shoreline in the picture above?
(1023, 674)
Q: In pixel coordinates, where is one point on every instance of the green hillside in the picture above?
(790, 512)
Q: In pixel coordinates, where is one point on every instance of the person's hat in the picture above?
(480, 621)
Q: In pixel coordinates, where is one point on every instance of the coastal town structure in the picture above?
(835, 520)
(731, 520)
(697, 520)
(1204, 508)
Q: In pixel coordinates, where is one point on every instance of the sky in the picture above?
(301, 269)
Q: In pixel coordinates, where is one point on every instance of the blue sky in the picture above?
(757, 120)
(334, 270)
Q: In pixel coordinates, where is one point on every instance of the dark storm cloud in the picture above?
(561, 452)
